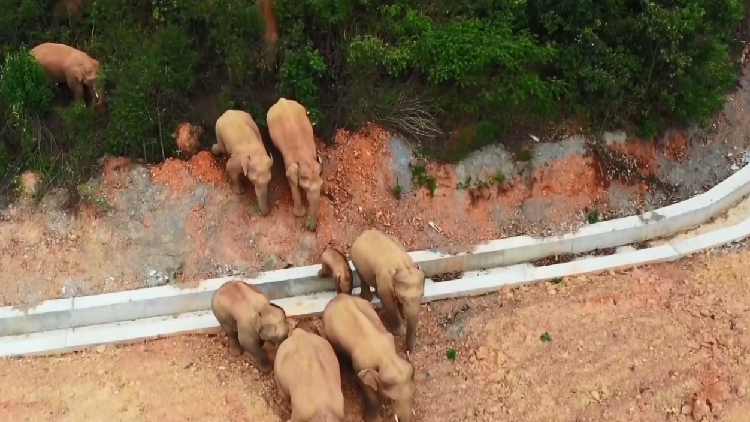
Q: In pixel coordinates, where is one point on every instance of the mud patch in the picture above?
(565, 258)
(446, 276)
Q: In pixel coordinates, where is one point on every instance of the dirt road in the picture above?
(668, 342)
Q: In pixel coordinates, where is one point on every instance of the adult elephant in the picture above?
(63, 63)
(292, 133)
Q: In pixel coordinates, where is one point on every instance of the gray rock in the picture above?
(400, 163)
(485, 163)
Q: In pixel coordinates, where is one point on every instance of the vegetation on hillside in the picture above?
(418, 67)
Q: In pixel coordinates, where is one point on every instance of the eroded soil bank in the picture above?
(667, 342)
(180, 222)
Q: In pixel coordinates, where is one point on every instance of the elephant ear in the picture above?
(78, 73)
(292, 172)
(246, 166)
(408, 283)
(266, 328)
(370, 378)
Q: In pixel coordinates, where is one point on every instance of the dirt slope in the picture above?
(667, 342)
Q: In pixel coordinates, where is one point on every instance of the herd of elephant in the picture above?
(306, 367)
(237, 134)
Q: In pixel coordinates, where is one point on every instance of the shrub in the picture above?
(23, 85)
(428, 70)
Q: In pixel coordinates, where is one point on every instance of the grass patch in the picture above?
(451, 354)
(422, 178)
(397, 189)
(593, 216)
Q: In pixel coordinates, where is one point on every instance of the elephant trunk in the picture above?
(313, 197)
(261, 192)
(280, 340)
(403, 409)
(412, 319)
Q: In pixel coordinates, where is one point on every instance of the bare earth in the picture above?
(668, 342)
(179, 222)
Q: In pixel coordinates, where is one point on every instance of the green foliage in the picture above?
(422, 178)
(23, 85)
(435, 72)
(593, 216)
(655, 60)
(451, 354)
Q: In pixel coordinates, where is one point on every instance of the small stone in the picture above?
(734, 167)
(686, 409)
(482, 353)
(101, 348)
(700, 409)
(595, 395)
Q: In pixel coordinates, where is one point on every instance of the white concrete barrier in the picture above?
(174, 300)
(71, 339)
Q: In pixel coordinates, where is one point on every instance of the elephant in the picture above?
(238, 136)
(292, 133)
(334, 263)
(63, 63)
(382, 262)
(354, 330)
(249, 319)
(307, 371)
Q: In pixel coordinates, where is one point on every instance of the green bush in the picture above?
(418, 67)
(23, 85)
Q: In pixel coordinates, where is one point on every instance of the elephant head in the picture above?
(308, 177)
(258, 170)
(88, 74)
(394, 380)
(271, 325)
(408, 285)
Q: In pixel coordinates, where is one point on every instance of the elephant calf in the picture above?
(307, 372)
(238, 136)
(63, 63)
(249, 319)
(334, 263)
(382, 262)
(292, 133)
(354, 330)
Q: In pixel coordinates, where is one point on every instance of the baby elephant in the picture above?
(63, 63)
(249, 319)
(334, 263)
(307, 371)
(292, 133)
(238, 136)
(382, 262)
(354, 330)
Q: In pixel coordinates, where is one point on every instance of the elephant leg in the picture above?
(412, 320)
(391, 317)
(77, 87)
(235, 349)
(252, 343)
(261, 192)
(372, 402)
(325, 270)
(299, 209)
(217, 149)
(365, 292)
(234, 168)
(282, 393)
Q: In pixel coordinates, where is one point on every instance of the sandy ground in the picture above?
(667, 342)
